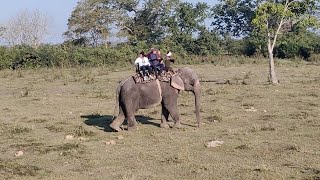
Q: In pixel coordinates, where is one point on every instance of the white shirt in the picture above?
(142, 61)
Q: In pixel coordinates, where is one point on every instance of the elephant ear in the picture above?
(177, 82)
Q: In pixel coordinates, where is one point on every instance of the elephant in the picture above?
(131, 96)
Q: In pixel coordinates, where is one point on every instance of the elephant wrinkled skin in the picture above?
(131, 97)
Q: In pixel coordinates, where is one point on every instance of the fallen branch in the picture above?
(231, 82)
(216, 81)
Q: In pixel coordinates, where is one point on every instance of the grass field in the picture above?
(58, 117)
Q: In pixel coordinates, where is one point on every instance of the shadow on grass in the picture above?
(103, 121)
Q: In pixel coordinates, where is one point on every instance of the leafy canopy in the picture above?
(270, 16)
(233, 17)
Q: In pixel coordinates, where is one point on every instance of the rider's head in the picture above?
(141, 54)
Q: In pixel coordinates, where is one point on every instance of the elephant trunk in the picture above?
(196, 93)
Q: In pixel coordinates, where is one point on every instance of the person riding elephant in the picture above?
(155, 59)
(132, 96)
(143, 64)
(168, 61)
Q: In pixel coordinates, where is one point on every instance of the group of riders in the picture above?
(153, 63)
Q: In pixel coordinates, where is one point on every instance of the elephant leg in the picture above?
(171, 105)
(130, 108)
(175, 115)
(164, 117)
(117, 122)
(132, 123)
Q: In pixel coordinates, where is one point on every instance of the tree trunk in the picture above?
(272, 73)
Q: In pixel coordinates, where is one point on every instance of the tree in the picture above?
(149, 22)
(27, 27)
(233, 17)
(2, 29)
(187, 25)
(207, 43)
(190, 17)
(298, 42)
(271, 18)
(90, 23)
(93, 21)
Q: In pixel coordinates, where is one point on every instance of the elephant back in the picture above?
(164, 77)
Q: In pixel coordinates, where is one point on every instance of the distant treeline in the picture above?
(194, 32)
(69, 55)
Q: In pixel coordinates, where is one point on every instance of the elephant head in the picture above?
(187, 80)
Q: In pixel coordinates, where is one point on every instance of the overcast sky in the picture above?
(58, 10)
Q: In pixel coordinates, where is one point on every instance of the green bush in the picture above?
(287, 50)
(297, 44)
(207, 47)
(65, 56)
(5, 58)
(24, 56)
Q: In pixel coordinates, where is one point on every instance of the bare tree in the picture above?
(27, 27)
(274, 18)
(2, 30)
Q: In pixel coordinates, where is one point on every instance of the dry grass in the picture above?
(269, 132)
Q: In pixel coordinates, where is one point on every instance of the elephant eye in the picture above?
(192, 82)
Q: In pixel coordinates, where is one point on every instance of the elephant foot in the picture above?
(132, 125)
(132, 128)
(115, 127)
(177, 125)
(164, 125)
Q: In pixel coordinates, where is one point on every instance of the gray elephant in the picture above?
(131, 97)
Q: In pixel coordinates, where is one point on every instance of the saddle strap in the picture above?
(159, 88)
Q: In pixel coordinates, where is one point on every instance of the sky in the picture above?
(57, 10)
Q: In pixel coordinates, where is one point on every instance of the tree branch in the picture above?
(128, 29)
(277, 32)
(281, 22)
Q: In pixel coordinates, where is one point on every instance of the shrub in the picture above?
(5, 58)
(287, 50)
(25, 56)
(314, 58)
